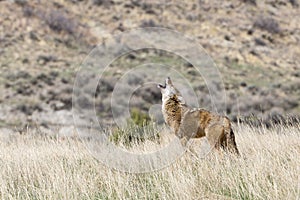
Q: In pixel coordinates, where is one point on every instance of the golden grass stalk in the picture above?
(35, 167)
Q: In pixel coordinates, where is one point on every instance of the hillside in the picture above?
(255, 45)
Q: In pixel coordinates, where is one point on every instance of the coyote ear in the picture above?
(168, 81)
(180, 98)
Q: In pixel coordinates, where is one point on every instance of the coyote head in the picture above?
(169, 91)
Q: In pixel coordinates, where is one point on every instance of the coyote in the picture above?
(189, 123)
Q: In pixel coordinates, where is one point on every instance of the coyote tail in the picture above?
(231, 144)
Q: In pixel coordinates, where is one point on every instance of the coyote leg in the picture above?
(215, 135)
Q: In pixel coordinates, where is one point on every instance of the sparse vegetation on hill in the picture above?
(42, 43)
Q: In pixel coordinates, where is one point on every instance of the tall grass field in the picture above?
(42, 167)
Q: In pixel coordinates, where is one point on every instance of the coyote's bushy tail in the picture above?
(231, 144)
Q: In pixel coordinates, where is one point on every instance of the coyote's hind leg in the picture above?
(215, 135)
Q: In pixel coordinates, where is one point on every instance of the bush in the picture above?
(294, 3)
(105, 3)
(58, 22)
(139, 118)
(251, 2)
(139, 129)
(267, 23)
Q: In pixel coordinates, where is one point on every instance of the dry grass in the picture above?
(35, 167)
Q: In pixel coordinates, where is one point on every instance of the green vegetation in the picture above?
(139, 128)
(250, 73)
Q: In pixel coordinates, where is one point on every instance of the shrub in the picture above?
(148, 23)
(139, 129)
(252, 2)
(294, 3)
(58, 22)
(105, 3)
(267, 23)
(139, 118)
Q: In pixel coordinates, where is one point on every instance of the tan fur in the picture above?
(195, 123)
